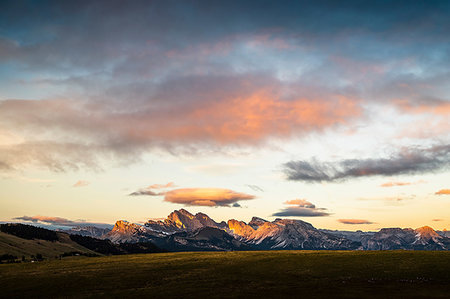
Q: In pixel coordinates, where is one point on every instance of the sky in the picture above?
(332, 112)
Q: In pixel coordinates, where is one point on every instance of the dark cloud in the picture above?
(355, 221)
(147, 192)
(301, 208)
(150, 190)
(125, 87)
(300, 212)
(408, 161)
(255, 188)
(58, 221)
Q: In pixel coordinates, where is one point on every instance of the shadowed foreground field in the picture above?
(352, 274)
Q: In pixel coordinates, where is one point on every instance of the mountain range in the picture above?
(183, 231)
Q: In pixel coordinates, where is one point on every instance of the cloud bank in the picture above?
(60, 221)
(408, 161)
(121, 89)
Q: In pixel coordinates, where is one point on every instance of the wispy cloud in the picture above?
(255, 188)
(398, 184)
(162, 186)
(355, 221)
(60, 221)
(408, 161)
(81, 183)
(301, 208)
(210, 197)
(150, 190)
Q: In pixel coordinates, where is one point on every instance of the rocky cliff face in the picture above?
(182, 220)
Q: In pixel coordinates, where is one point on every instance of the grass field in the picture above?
(332, 274)
(21, 247)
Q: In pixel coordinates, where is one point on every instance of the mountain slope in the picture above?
(182, 229)
(10, 244)
(423, 238)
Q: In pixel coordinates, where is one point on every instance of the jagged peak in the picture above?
(123, 225)
(256, 222)
(254, 218)
(184, 212)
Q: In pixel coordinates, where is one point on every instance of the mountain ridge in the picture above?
(180, 226)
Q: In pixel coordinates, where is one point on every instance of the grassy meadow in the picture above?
(49, 250)
(332, 274)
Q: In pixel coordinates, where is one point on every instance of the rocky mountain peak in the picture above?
(256, 222)
(124, 226)
(426, 231)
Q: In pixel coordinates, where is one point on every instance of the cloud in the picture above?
(300, 212)
(188, 89)
(210, 197)
(408, 161)
(437, 219)
(396, 184)
(354, 221)
(81, 184)
(244, 115)
(146, 192)
(443, 192)
(162, 186)
(149, 190)
(255, 188)
(60, 221)
(301, 203)
(301, 208)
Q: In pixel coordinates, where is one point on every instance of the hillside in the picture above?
(256, 274)
(10, 244)
(26, 242)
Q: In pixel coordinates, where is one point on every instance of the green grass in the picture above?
(332, 274)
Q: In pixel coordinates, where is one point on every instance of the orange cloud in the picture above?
(161, 186)
(394, 184)
(242, 111)
(301, 203)
(81, 184)
(205, 197)
(435, 107)
(251, 119)
(355, 221)
(443, 192)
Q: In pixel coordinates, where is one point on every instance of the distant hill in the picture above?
(27, 241)
(16, 246)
